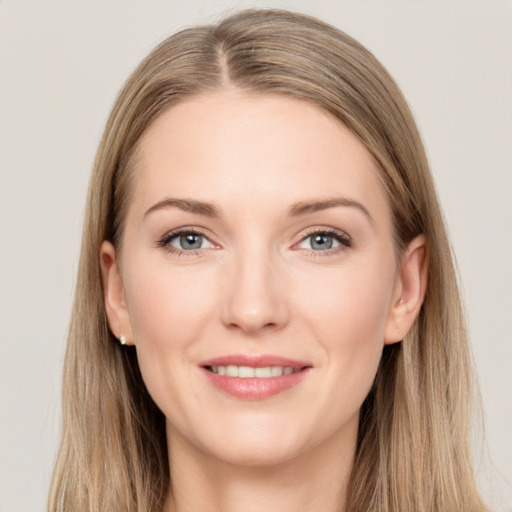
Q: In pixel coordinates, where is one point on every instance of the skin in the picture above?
(258, 286)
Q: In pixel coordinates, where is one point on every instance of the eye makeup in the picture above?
(191, 241)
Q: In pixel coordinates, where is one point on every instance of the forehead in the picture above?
(255, 150)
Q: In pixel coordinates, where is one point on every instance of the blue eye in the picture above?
(324, 241)
(189, 241)
(185, 241)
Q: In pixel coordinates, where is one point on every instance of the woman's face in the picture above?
(257, 243)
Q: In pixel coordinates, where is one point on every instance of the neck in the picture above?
(312, 481)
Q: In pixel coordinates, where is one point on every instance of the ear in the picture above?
(115, 301)
(409, 292)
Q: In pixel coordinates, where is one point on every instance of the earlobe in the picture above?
(114, 297)
(410, 291)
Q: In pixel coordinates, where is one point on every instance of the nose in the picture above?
(255, 296)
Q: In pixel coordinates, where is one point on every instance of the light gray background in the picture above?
(61, 65)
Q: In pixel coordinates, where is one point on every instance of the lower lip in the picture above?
(254, 388)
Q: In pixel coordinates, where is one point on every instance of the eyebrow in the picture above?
(307, 207)
(187, 205)
(296, 210)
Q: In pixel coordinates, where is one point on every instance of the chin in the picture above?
(259, 443)
(257, 454)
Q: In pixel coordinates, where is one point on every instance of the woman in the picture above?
(267, 312)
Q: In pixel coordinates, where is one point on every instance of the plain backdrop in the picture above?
(61, 66)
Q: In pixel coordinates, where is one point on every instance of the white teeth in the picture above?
(276, 371)
(232, 370)
(248, 372)
(265, 373)
(245, 372)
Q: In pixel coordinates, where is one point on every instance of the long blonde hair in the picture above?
(413, 452)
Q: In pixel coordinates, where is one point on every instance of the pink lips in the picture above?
(254, 388)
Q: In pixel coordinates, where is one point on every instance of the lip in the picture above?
(255, 388)
(256, 361)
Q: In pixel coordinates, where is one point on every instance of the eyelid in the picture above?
(165, 241)
(344, 240)
(178, 236)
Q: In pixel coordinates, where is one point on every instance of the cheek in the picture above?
(168, 311)
(347, 311)
(348, 300)
(165, 306)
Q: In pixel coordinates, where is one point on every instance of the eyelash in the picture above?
(344, 240)
(165, 241)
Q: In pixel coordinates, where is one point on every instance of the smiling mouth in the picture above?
(250, 377)
(249, 372)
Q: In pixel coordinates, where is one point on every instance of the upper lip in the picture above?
(255, 361)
